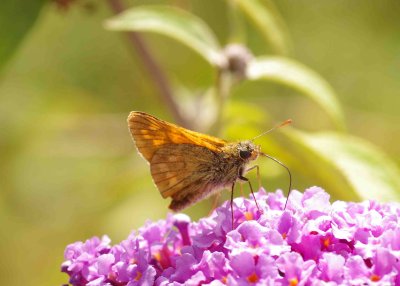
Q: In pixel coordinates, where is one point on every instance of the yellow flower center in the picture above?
(253, 278)
(248, 215)
(293, 282)
(157, 256)
(375, 278)
(326, 242)
(138, 276)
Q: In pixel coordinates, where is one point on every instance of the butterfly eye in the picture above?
(244, 154)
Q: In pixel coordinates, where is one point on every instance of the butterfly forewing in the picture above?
(180, 160)
(151, 133)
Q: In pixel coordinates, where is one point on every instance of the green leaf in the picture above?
(172, 22)
(347, 167)
(17, 17)
(268, 21)
(297, 76)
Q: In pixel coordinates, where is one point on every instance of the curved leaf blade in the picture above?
(269, 23)
(171, 22)
(348, 166)
(299, 77)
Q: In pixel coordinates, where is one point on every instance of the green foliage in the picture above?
(172, 22)
(348, 175)
(17, 17)
(342, 163)
(268, 22)
(297, 76)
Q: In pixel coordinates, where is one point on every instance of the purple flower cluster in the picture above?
(311, 242)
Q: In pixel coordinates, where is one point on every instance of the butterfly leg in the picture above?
(233, 187)
(258, 174)
(251, 189)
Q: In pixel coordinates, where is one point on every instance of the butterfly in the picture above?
(188, 166)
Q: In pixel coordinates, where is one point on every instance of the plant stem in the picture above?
(153, 68)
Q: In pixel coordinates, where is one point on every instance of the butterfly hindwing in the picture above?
(182, 171)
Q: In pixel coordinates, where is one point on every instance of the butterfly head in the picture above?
(248, 151)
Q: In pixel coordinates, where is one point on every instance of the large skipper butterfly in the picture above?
(189, 166)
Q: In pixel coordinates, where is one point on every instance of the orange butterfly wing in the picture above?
(183, 172)
(150, 133)
(180, 159)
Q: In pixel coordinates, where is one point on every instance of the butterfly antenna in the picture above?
(287, 169)
(286, 122)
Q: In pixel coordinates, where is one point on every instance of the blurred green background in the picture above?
(68, 167)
